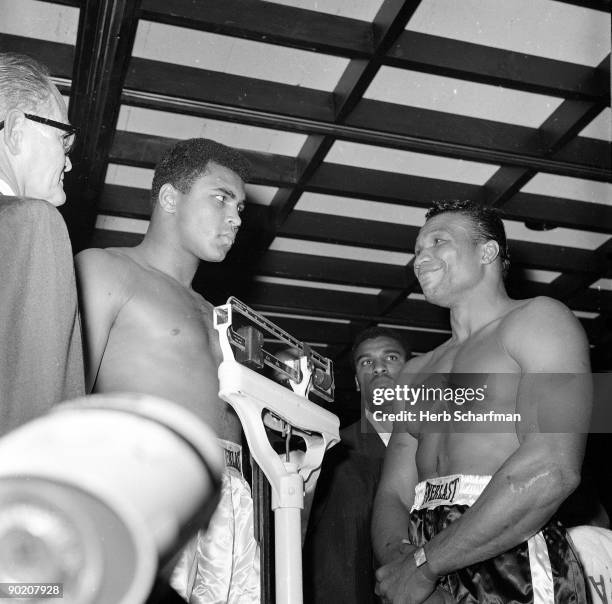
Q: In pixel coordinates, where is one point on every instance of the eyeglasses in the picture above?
(70, 130)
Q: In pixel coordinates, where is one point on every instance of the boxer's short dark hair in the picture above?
(487, 224)
(185, 162)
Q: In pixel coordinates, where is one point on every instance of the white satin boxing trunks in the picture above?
(543, 570)
(221, 565)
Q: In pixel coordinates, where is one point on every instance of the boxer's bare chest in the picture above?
(480, 363)
(165, 331)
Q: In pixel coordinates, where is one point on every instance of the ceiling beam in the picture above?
(243, 92)
(74, 3)
(267, 22)
(104, 238)
(587, 148)
(344, 230)
(58, 58)
(106, 33)
(331, 270)
(472, 138)
(130, 202)
(498, 67)
(557, 211)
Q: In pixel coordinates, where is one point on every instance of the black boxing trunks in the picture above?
(543, 570)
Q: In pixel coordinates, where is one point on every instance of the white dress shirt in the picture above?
(384, 436)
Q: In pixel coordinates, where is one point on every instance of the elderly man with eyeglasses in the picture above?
(41, 354)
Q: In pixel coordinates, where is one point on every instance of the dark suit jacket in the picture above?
(337, 555)
(41, 357)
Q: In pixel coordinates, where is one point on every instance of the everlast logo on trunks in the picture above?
(233, 459)
(445, 491)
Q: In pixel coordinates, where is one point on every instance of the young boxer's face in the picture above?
(208, 215)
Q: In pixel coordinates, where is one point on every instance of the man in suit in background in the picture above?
(337, 556)
(41, 361)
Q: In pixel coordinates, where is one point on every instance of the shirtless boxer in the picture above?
(466, 509)
(148, 331)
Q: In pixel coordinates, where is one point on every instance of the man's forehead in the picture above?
(225, 177)
(378, 344)
(447, 221)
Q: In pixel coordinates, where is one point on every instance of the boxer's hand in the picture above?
(401, 582)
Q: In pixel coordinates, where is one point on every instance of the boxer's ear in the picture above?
(490, 251)
(167, 198)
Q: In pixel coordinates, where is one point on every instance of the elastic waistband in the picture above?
(456, 489)
(232, 453)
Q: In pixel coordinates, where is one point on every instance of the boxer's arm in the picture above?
(394, 497)
(529, 487)
(99, 303)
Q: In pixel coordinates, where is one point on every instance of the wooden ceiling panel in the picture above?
(268, 22)
(58, 57)
(487, 65)
(238, 91)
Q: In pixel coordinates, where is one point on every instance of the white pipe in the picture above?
(288, 536)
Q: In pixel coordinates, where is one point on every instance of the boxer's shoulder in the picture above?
(535, 315)
(105, 269)
(542, 333)
(105, 260)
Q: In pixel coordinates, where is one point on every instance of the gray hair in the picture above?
(24, 83)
